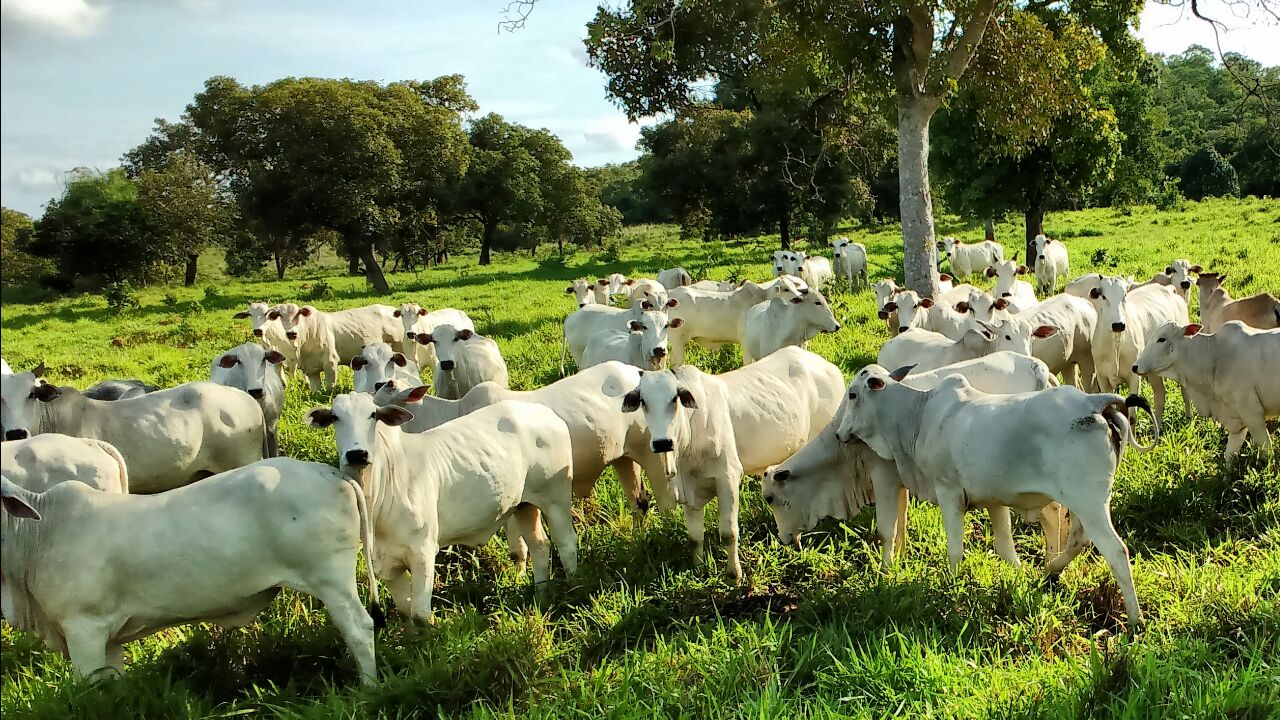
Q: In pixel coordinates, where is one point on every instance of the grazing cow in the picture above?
(118, 390)
(267, 328)
(323, 338)
(464, 359)
(850, 260)
(455, 485)
(1019, 293)
(1126, 321)
(969, 259)
(1065, 351)
(583, 291)
(828, 478)
(1052, 262)
(251, 368)
(1079, 437)
(643, 343)
(40, 462)
(377, 363)
(790, 317)
(587, 322)
(712, 317)
(711, 430)
(1231, 375)
(814, 270)
(416, 319)
(1217, 308)
(926, 350)
(674, 278)
(168, 438)
(219, 550)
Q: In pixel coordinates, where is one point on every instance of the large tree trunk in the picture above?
(1034, 218)
(353, 261)
(486, 242)
(373, 271)
(190, 278)
(915, 202)
(990, 230)
(784, 226)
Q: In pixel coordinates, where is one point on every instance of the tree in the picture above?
(501, 186)
(658, 53)
(20, 267)
(96, 229)
(621, 187)
(186, 212)
(1205, 173)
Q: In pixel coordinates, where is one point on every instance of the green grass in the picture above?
(643, 633)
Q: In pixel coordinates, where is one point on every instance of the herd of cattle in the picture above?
(177, 517)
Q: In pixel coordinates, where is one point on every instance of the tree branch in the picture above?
(958, 57)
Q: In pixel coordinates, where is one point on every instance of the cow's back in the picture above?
(42, 461)
(357, 327)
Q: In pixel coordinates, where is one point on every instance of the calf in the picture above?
(377, 363)
(416, 319)
(168, 438)
(1217, 308)
(1231, 375)
(850, 260)
(914, 311)
(1018, 292)
(1126, 321)
(674, 278)
(711, 430)
(643, 343)
(251, 368)
(464, 359)
(40, 462)
(642, 290)
(791, 317)
(814, 270)
(129, 566)
(264, 322)
(969, 259)
(583, 291)
(1080, 440)
(926, 350)
(592, 320)
(454, 485)
(1179, 274)
(322, 338)
(1051, 263)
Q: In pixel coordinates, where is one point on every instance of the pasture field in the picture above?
(641, 632)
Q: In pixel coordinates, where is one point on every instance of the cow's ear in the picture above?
(399, 359)
(1000, 304)
(274, 357)
(1192, 329)
(416, 394)
(422, 311)
(46, 392)
(358, 362)
(945, 277)
(568, 290)
(15, 504)
(396, 313)
(686, 398)
(1045, 331)
(241, 315)
(305, 311)
(227, 362)
(629, 281)
(902, 372)
(320, 418)
(1095, 293)
(890, 306)
(392, 415)
(1196, 269)
(875, 383)
(676, 322)
(1022, 269)
(602, 282)
(926, 303)
(40, 370)
(1048, 240)
(991, 272)
(646, 305)
(631, 401)
(273, 315)
(1222, 279)
(464, 334)
(425, 339)
(963, 307)
(673, 302)
(1168, 270)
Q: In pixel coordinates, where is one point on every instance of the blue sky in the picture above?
(82, 80)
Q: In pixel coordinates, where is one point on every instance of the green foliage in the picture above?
(121, 296)
(19, 267)
(1169, 197)
(621, 187)
(1205, 173)
(320, 290)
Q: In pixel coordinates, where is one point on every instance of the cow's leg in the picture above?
(313, 380)
(637, 498)
(659, 484)
(1096, 523)
(1235, 441)
(330, 378)
(695, 525)
(1187, 410)
(273, 443)
(1160, 395)
(728, 491)
(887, 521)
(115, 657)
(400, 586)
(903, 495)
(517, 544)
(527, 520)
(86, 645)
(1074, 543)
(1002, 530)
(342, 601)
(423, 567)
(560, 525)
(952, 504)
(677, 351)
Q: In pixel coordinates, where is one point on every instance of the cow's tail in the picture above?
(366, 536)
(564, 348)
(1121, 427)
(111, 450)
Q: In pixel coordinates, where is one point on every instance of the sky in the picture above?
(81, 81)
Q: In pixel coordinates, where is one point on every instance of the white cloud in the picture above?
(37, 177)
(57, 18)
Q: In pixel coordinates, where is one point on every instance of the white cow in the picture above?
(641, 290)
(589, 321)
(416, 319)
(455, 485)
(129, 566)
(1179, 273)
(789, 318)
(1067, 350)
(324, 338)
(814, 270)
(1218, 308)
(265, 324)
(784, 262)
(251, 368)
(40, 462)
(615, 284)
(168, 438)
(1231, 375)
(583, 291)
(915, 311)
(1019, 293)
(643, 343)
(969, 259)
(712, 318)
(377, 364)
(850, 260)
(464, 359)
(711, 430)
(1079, 437)
(674, 278)
(716, 285)
(1052, 262)
(1126, 322)
(1084, 285)
(925, 350)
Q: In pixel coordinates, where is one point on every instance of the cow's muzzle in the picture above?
(664, 445)
(1117, 327)
(16, 435)
(410, 335)
(1186, 284)
(1135, 370)
(1004, 295)
(659, 353)
(447, 365)
(291, 335)
(256, 393)
(357, 457)
(258, 332)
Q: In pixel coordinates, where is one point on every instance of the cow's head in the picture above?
(355, 418)
(260, 316)
(1179, 272)
(295, 320)
(807, 487)
(376, 364)
(1006, 273)
(664, 400)
(583, 291)
(780, 264)
(1162, 350)
(1207, 282)
(651, 327)
(248, 366)
(450, 342)
(864, 406)
(910, 307)
(647, 299)
(1040, 243)
(20, 398)
(948, 246)
(17, 501)
(1017, 335)
(1109, 298)
(409, 314)
(884, 289)
(806, 309)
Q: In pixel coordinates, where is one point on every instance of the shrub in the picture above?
(212, 294)
(121, 296)
(610, 254)
(1168, 197)
(320, 291)
(1205, 173)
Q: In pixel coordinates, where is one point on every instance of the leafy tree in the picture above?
(1205, 173)
(97, 229)
(621, 187)
(19, 267)
(186, 211)
(501, 186)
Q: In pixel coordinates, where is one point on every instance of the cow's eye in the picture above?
(797, 301)
(1006, 337)
(373, 416)
(769, 499)
(817, 302)
(853, 396)
(1159, 340)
